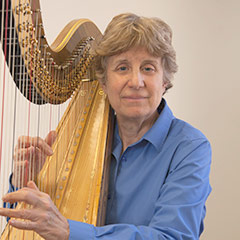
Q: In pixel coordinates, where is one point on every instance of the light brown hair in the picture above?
(129, 30)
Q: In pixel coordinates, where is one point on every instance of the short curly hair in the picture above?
(129, 30)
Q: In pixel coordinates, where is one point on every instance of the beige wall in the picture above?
(207, 86)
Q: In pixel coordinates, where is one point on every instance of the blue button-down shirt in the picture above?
(158, 185)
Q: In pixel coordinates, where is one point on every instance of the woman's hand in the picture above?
(43, 217)
(29, 157)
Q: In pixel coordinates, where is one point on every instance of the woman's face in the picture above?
(134, 84)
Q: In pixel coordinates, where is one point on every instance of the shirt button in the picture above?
(124, 159)
(109, 196)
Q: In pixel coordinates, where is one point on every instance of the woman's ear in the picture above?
(103, 85)
(164, 85)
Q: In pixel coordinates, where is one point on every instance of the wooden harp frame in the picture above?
(76, 176)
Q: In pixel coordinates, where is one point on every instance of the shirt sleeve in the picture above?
(180, 208)
(11, 189)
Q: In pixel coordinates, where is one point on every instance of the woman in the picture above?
(159, 179)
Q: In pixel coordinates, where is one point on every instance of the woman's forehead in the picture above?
(134, 54)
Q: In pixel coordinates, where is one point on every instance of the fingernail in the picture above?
(50, 151)
(11, 221)
(55, 134)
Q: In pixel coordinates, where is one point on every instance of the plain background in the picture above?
(206, 87)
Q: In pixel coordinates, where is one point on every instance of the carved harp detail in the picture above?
(75, 176)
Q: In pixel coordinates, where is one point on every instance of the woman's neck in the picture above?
(132, 130)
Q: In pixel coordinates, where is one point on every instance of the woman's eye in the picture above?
(123, 68)
(148, 69)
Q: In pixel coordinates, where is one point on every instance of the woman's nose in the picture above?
(136, 80)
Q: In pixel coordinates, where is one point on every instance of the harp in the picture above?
(44, 76)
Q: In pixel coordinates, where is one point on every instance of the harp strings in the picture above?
(5, 55)
(27, 73)
(4, 44)
(2, 222)
(9, 39)
(34, 165)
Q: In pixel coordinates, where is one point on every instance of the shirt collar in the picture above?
(159, 131)
(155, 135)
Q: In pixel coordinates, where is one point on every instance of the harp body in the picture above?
(76, 175)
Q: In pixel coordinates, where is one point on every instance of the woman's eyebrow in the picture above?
(124, 60)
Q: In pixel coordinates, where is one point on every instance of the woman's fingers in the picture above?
(20, 173)
(26, 141)
(42, 217)
(44, 145)
(16, 213)
(51, 137)
(32, 185)
(29, 156)
(30, 195)
(27, 165)
(24, 225)
(21, 154)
